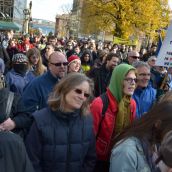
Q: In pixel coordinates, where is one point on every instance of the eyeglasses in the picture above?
(78, 91)
(153, 60)
(130, 80)
(144, 74)
(135, 57)
(60, 64)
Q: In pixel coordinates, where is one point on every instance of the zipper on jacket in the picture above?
(68, 146)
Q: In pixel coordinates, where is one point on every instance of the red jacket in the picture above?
(103, 142)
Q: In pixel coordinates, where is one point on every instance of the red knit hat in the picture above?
(72, 58)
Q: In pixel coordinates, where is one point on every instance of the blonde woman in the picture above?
(61, 138)
(36, 67)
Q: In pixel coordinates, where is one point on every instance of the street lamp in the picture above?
(27, 18)
(26, 13)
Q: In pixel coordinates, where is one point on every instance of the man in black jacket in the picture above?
(103, 74)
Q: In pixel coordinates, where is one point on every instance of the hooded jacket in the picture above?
(115, 94)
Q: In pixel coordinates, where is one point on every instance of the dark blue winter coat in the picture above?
(36, 93)
(16, 82)
(61, 142)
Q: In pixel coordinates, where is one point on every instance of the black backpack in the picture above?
(6, 101)
(105, 101)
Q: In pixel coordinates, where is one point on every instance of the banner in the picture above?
(165, 54)
(118, 40)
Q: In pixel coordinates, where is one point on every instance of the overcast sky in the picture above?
(170, 3)
(47, 9)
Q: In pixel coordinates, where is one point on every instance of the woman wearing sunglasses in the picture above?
(61, 138)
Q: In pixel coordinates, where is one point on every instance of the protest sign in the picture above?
(165, 54)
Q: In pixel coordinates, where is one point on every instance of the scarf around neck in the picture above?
(123, 115)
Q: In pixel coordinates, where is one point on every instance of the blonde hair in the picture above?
(40, 68)
(57, 97)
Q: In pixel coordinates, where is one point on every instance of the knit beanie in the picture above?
(117, 78)
(19, 58)
(72, 58)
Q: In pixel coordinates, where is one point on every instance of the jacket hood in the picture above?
(116, 82)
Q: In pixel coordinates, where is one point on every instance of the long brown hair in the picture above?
(40, 68)
(57, 97)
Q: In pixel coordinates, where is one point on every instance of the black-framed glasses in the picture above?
(59, 64)
(79, 91)
(130, 80)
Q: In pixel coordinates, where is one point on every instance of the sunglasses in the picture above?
(153, 60)
(135, 57)
(130, 80)
(60, 64)
(78, 91)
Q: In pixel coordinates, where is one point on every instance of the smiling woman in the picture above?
(64, 128)
(120, 112)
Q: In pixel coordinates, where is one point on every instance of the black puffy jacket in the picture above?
(61, 142)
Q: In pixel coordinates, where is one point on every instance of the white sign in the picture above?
(165, 53)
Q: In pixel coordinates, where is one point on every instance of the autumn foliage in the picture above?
(124, 18)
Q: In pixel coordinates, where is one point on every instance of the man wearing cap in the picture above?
(17, 77)
(36, 92)
(133, 56)
(74, 64)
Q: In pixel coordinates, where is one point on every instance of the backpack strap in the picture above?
(9, 103)
(105, 101)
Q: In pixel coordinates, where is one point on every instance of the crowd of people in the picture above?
(83, 106)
